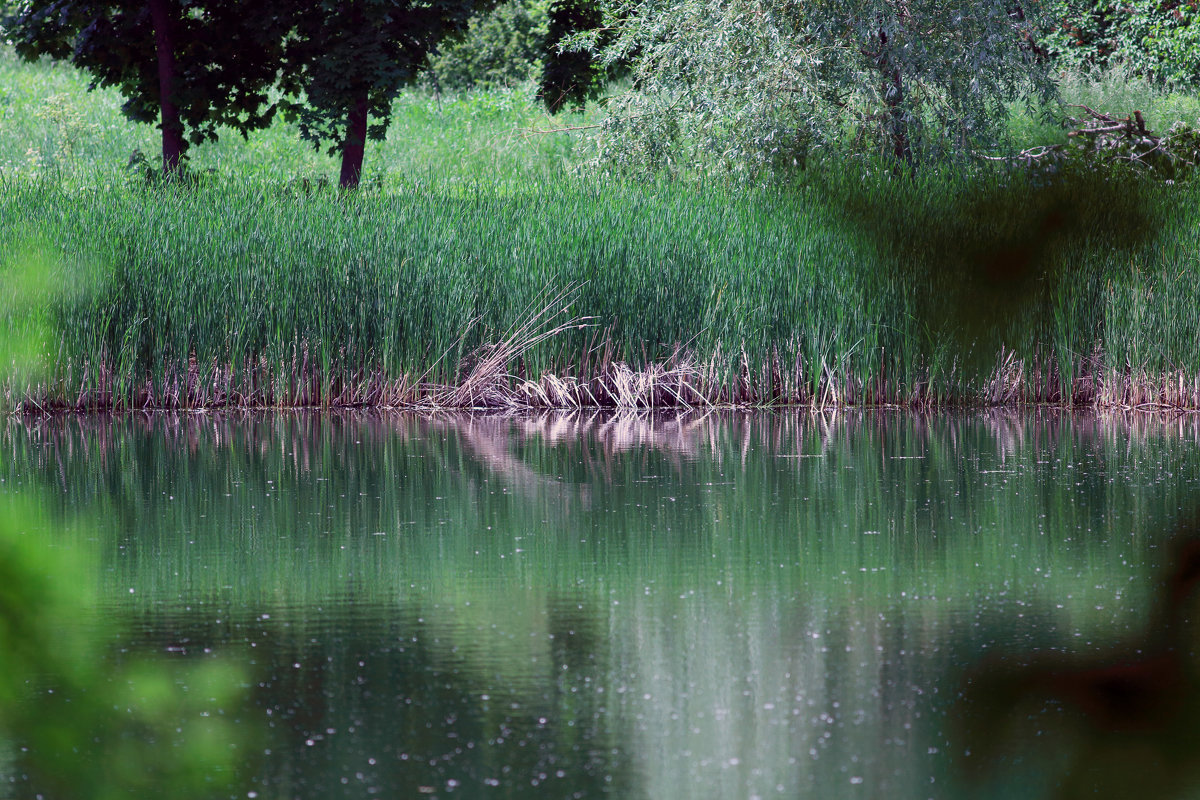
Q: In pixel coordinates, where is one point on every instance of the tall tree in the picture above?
(192, 65)
(756, 86)
(346, 60)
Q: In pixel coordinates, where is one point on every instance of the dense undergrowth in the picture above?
(479, 268)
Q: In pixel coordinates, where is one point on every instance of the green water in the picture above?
(760, 605)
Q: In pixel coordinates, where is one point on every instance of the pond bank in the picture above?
(496, 380)
(932, 292)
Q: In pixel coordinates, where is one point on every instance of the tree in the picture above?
(346, 60)
(570, 74)
(193, 65)
(757, 86)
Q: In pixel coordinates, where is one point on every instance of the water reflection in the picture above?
(1123, 720)
(723, 605)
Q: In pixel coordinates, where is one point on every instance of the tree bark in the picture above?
(893, 97)
(355, 145)
(901, 147)
(173, 144)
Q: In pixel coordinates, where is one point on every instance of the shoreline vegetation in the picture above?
(476, 268)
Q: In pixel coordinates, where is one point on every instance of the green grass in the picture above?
(1118, 91)
(53, 127)
(254, 283)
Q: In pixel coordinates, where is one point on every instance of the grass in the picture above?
(255, 284)
(54, 128)
(1117, 89)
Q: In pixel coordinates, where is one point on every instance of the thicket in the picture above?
(501, 48)
(1156, 38)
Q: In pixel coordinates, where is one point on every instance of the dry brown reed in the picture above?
(683, 381)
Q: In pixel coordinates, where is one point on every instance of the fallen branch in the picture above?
(1105, 137)
(567, 129)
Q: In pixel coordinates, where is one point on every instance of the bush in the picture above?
(502, 48)
(1156, 38)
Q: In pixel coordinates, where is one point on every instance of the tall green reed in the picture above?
(889, 292)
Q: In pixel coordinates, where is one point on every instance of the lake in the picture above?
(649, 606)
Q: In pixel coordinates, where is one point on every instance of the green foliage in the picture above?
(225, 59)
(87, 723)
(342, 52)
(1080, 33)
(1157, 38)
(570, 75)
(754, 87)
(502, 47)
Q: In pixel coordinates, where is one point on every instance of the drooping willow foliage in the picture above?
(760, 86)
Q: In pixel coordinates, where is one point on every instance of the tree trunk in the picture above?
(173, 144)
(356, 143)
(901, 147)
(893, 98)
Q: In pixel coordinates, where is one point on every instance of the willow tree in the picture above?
(190, 65)
(346, 60)
(758, 86)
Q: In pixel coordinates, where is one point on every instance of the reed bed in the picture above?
(931, 291)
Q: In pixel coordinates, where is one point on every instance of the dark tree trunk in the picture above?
(893, 98)
(356, 143)
(173, 144)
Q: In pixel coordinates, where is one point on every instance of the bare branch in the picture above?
(567, 129)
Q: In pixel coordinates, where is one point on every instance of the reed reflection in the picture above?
(676, 605)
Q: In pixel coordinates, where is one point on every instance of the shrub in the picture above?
(1156, 38)
(501, 48)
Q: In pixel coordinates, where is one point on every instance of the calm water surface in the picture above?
(724, 606)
